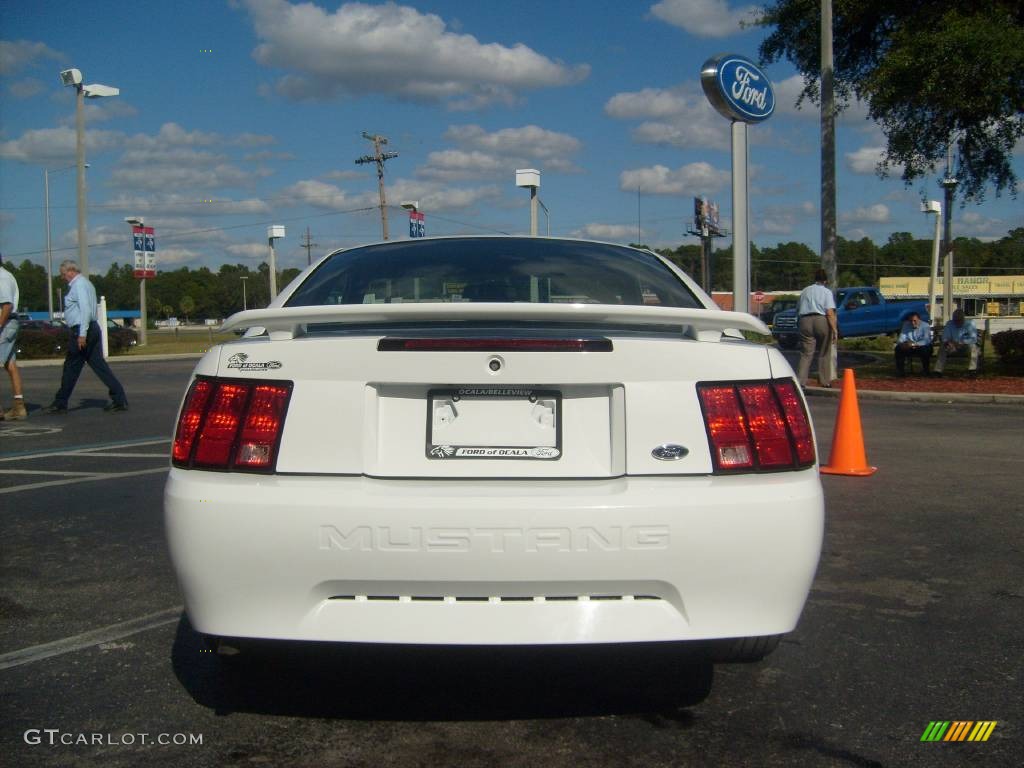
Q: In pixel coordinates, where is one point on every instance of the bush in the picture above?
(1009, 345)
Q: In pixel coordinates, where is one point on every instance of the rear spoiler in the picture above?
(284, 322)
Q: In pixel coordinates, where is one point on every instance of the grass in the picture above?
(167, 342)
(883, 366)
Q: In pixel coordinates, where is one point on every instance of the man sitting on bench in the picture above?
(959, 336)
(915, 340)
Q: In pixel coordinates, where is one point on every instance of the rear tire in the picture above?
(743, 650)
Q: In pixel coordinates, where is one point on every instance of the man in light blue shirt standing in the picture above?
(83, 343)
(915, 340)
(816, 313)
(959, 335)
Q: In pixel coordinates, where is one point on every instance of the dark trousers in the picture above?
(76, 358)
(922, 353)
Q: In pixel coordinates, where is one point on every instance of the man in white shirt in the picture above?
(8, 342)
(816, 321)
(83, 343)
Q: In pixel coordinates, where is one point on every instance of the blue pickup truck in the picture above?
(861, 311)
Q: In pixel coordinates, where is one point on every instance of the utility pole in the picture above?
(309, 245)
(828, 150)
(379, 158)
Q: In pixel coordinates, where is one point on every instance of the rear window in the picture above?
(493, 270)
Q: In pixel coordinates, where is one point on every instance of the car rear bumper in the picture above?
(359, 559)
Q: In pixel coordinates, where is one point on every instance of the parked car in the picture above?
(860, 311)
(119, 338)
(41, 338)
(770, 309)
(484, 441)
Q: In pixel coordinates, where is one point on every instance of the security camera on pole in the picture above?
(741, 92)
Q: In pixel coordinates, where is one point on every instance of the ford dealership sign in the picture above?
(737, 88)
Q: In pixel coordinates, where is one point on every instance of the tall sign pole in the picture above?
(144, 248)
(742, 93)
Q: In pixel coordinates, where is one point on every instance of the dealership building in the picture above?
(978, 296)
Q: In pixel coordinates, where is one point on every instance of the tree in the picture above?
(931, 73)
(187, 305)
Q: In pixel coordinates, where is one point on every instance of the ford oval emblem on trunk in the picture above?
(669, 452)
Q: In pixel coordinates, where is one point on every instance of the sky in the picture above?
(237, 114)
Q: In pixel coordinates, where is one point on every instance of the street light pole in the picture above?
(949, 185)
(49, 250)
(73, 77)
(244, 304)
(83, 245)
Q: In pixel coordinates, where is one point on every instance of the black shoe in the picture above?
(57, 408)
(114, 407)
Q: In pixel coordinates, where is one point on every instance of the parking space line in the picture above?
(87, 479)
(44, 472)
(125, 455)
(84, 449)
(91, 638)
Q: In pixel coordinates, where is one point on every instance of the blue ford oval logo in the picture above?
(669, 452)
(737, 88)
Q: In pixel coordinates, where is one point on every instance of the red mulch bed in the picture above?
(986, 385)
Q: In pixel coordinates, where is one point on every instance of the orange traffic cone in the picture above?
(848, 456)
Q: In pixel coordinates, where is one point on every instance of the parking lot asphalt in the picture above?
(916, 615)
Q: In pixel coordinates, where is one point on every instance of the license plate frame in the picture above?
(490, 451)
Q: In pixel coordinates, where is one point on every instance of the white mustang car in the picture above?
(495, 441)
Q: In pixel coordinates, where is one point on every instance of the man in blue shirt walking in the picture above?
(83, 343)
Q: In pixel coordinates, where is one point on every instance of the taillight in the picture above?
(756, 426)
(231, 424)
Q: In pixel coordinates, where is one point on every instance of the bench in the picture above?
(937, 341)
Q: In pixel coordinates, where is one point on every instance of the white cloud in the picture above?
(871, 214)
(55, 145)
(169, 176)
(692, 179)
(256, 251)
(26, 88)
(395, 50)
(787, 93)
(326, 196)
(612, 233)
(866, 159)
(176, 160)
(16, 55)
(181, 205)
(100, 111)
(704, 18)
(483, 154)
(172, 134)
(677, 117)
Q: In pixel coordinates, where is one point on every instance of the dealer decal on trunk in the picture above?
(240, 360)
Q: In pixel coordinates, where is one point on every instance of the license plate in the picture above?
(501, 423)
